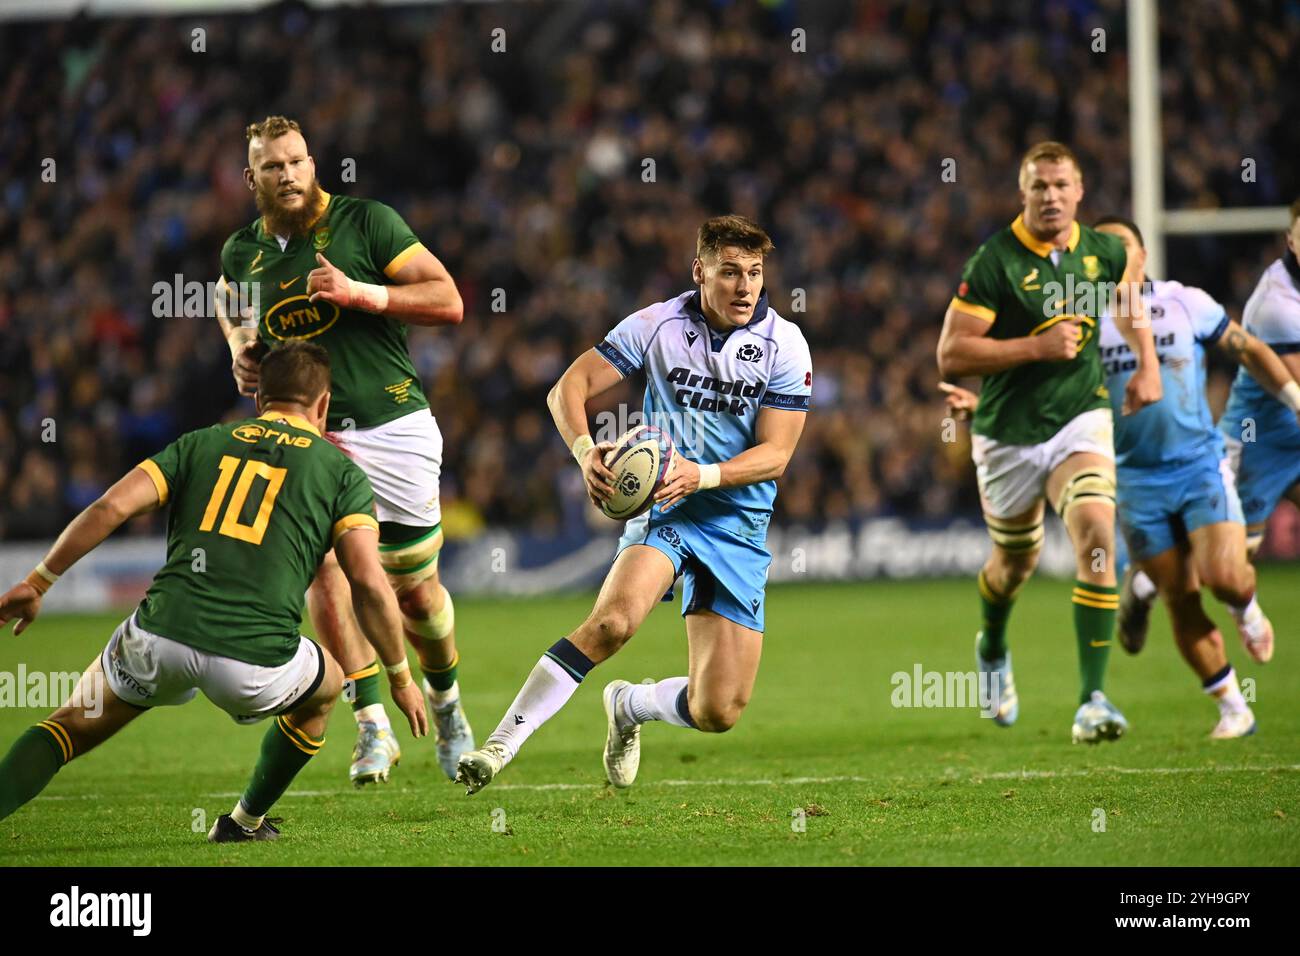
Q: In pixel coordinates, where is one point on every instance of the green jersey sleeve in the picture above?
(980, 289)
(228, 259)
(392, 243)
(355, 505)
(1115, 256)
(165, 467)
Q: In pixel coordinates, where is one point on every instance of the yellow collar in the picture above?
(1043, 249)
(297, 421)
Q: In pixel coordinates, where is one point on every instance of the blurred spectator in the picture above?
(523, 171)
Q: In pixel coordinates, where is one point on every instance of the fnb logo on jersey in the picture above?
(688, 397)
(253, 433)
(297, 317)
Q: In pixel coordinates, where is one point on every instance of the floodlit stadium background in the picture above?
(523, 171)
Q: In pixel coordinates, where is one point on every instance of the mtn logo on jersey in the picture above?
(297, 317)
(689, 397)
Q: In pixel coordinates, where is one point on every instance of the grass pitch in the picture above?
(821, 746)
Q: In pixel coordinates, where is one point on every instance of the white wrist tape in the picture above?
(400, 667)
(399, 674)
(581, 445)
(710, 476)
(240, 337)
(1290, 396)
(368, 296)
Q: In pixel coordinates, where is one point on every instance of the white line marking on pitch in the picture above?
(802, 781)
(791, 781)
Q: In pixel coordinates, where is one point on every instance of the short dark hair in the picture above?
(297, 372)
(721, 231)
(1128, 224)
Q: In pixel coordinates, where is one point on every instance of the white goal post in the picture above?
(1147, 155)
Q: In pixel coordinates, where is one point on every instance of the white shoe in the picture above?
(622, 745)
(451, 731)
(1258, 640)
(1097, 719)
(375, 754)
(477, 768)
(1239, 723)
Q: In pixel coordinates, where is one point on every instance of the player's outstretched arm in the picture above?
(242, 341)
(133, 494)
(381, 622)
(1129, 312)
(965, 347)
(776, 433)
(588, 376)
(423, 291)
(1263, 364)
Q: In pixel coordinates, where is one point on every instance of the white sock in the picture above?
(657, 701)
(244, 818)
(1227, 693)
(1143, 587)
(1249, 617)
(547, 689)
(443, 698)
(373, 714)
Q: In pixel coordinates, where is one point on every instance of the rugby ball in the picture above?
(642, 460)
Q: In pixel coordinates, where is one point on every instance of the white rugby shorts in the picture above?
(1013, 477)
(150, 670)
(403, 460)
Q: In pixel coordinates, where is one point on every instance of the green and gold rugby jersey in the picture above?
(1012, 283)
(255, 506)
(373, 379)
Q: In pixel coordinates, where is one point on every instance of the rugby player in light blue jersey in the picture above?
(1178, 505)
(1261, 430)
(730, 381)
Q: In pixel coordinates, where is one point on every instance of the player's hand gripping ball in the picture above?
(641, 460)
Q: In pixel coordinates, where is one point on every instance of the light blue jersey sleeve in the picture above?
(625, 345)
(791, 384)
(1209, 319)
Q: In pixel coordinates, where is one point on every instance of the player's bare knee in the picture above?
(612, 628)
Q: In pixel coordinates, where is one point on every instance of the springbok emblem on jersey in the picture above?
(1030, 282)
(1091, 268)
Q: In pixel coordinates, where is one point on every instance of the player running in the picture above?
(1025, 319)
(1260, 428)
(351, 276)
(710, 519)
(1178, 504)
(1259, 425)
(261, 500)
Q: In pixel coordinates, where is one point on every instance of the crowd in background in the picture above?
(525, 170)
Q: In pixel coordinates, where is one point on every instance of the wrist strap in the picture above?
(581, 445)
(710, 476)
(41, 578)
(399, 674)
(1290, 396)
(368, 296)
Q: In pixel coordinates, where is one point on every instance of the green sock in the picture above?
(30, 764)
(995, 609)
(285, 751)
(1095, 609)
(442, 680)
(365, 686)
